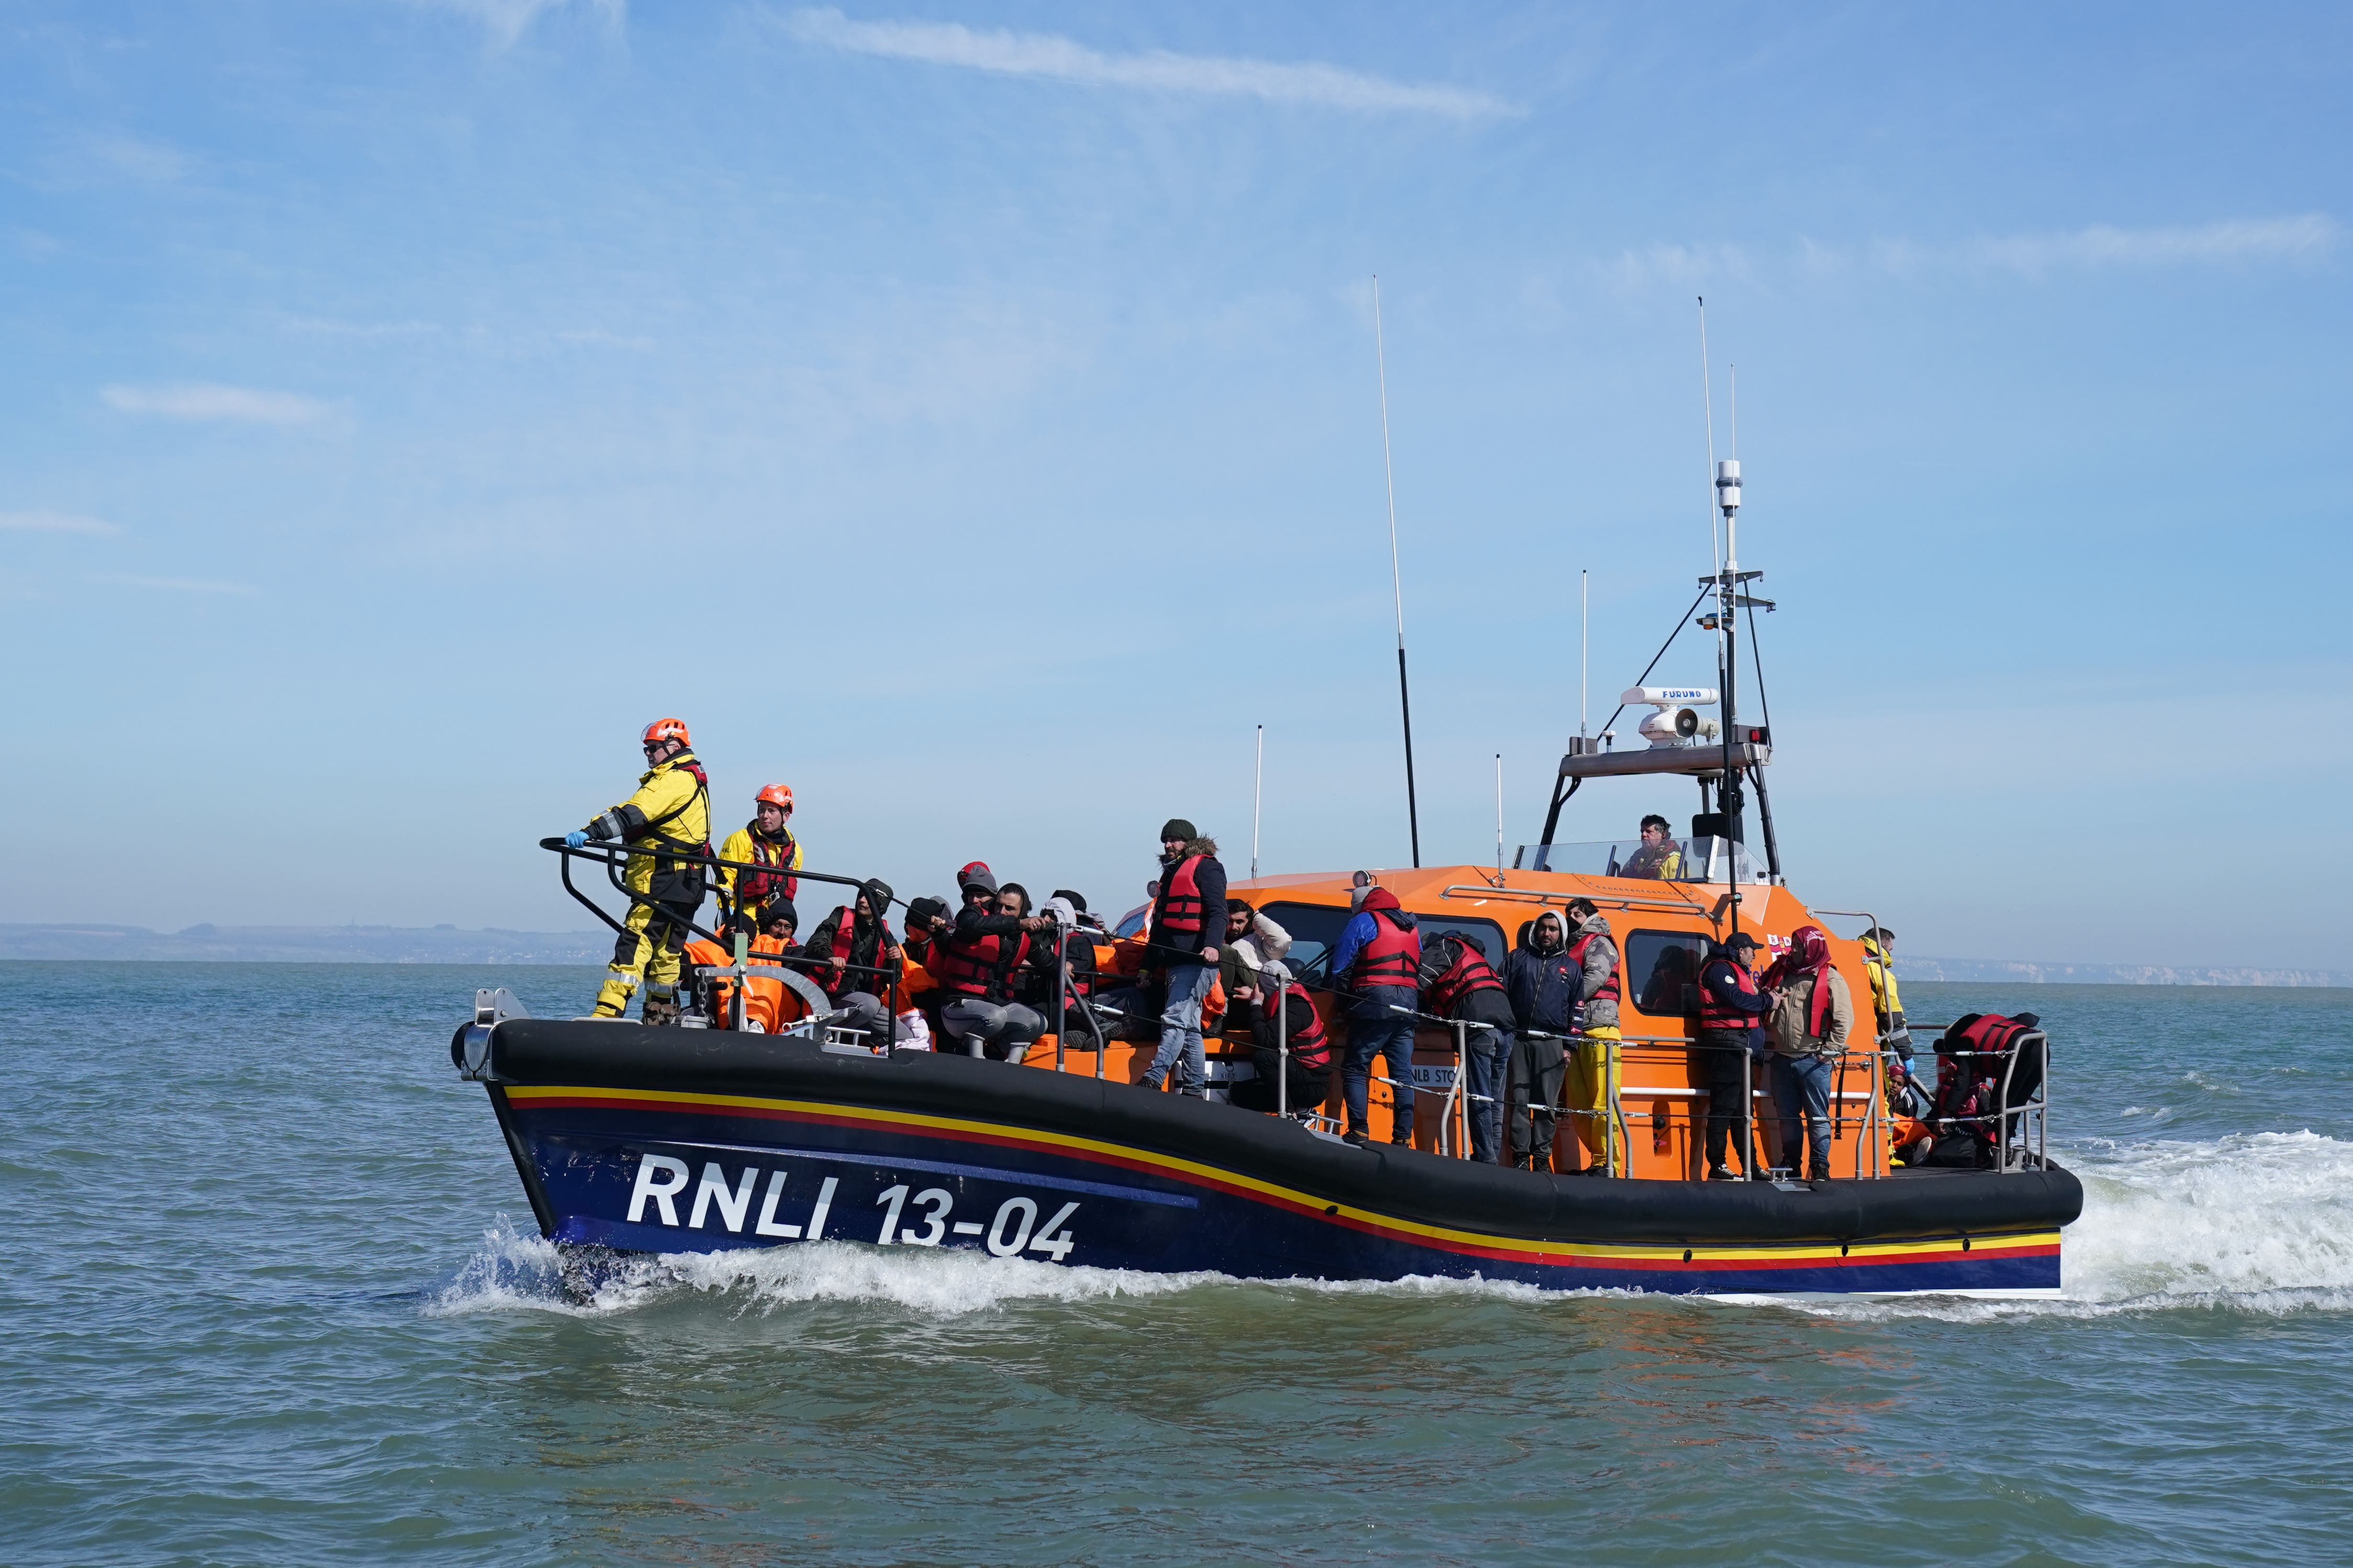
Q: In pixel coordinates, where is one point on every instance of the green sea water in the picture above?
(274, 1297)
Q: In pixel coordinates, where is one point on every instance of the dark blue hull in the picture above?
(741, 1141)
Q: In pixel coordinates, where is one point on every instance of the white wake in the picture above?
(2259, 1222)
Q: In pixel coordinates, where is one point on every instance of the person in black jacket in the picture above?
(1730, 1007)
(856, 972)
(1188, 920)
(1457, 984)
(1544, 984)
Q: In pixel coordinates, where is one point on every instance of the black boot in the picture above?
(661, 1008)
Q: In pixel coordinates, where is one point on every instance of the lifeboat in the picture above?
(670, 1140)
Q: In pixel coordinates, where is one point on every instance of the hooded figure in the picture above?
(1812, 1011)
(849, 963)
(1545, 985)
(1811, 1015)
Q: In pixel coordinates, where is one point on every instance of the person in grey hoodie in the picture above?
(1593, 1065)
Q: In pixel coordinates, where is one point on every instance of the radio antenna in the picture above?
(1708, 407)
(1583, 641)
(1396, 580)
(1499, 819)
(1257, 793)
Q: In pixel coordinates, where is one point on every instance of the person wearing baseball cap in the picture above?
(1730, 1005)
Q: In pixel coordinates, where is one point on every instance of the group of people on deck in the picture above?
(992, 974)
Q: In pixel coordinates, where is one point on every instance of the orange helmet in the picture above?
(775, 795)
(662, 729)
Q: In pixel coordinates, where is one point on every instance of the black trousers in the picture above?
(1531, 1090)
(1309, 1090)
(1721, 1053)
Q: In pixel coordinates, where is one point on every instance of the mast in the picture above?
(1727, 594)
(1396, 581)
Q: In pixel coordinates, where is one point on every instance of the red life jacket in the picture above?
(1181, 907)
(753, 889)
(1470, 972)
(1610, 989)
(1393, 956)
(1712, 1012)
(1309, 1047)
(836, 977)
(1991, 1037)
(977, 968)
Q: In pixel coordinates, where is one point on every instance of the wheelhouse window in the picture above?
(1663, 971)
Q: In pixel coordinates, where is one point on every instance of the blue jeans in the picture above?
(1803, 1083)
(1489, 1050)
(1180, 1027)
(1374, 1030)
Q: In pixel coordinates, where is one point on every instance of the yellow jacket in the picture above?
(671, 809)
(1884, 998)
(739, 847)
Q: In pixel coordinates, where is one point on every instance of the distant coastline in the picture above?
(447, 944)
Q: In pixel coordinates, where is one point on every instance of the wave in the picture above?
(2257, 1222)
(2254, 1221)
(516, 1272)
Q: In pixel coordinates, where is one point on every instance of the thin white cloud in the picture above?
(209, 400)
(2307, 236)
(506, 21)
(57, 522)
(135, 158)
(1682, 265)
(1053, 58)
(173, 585)
(2100, 248)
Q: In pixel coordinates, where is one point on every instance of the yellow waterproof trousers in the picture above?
(1592, 1090)
(649, 949)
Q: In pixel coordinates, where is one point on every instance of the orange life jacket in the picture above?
(767, 1000)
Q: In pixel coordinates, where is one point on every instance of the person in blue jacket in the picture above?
(1544, 986)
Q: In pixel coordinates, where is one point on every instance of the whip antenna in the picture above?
(1396, 581)
(1258, 792)
(1708, 407)
(1583, 641)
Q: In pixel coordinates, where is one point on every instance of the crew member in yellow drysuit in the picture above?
(671, 811)
(766, 843)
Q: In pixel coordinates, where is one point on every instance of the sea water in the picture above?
(273, 1296)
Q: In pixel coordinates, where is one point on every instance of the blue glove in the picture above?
(575, 839)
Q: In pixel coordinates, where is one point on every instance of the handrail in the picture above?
(1535, 895)
(612, 855)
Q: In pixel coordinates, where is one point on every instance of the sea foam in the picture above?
(2255, 1222)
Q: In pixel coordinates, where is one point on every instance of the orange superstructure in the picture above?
(1661, 1103)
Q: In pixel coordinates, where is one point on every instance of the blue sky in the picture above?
(969, 417)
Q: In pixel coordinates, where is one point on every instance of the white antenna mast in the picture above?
(1396, 581)
(1257, 793)
(1708, 406)
(1499, 817)
(1584, 641)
